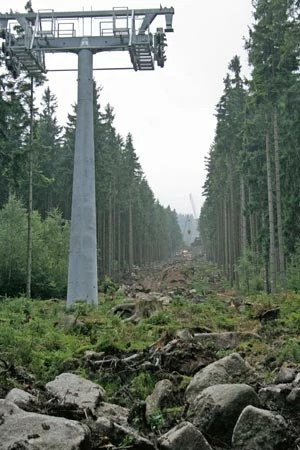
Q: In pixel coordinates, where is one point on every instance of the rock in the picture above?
(118, 433)
(198, 299)
(166, 300)
(223, 371)
(114, 412)
(297, 379)
(20, 398)
(193, 291)
(138, 442)
(225, 340)
(184, 436)
(159, 398)
(24, 445)
(103, 426)
(91, 355)
(293, 398)
(286, 375)
(184, 335)
(259, 429)
(216, 409)
(274, 396)
(22, 430)
(72, 389)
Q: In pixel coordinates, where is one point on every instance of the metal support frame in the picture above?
(43, 33)
(48, 31)
(117, 12)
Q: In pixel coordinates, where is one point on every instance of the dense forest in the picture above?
(249, 223)
(36, 166)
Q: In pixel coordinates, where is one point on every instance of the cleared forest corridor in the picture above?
(170, 355)
(181, 332)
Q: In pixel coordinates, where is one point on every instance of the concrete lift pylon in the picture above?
(47, 31)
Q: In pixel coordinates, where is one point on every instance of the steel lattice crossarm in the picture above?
(27, 37)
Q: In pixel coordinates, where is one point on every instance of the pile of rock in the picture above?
(220, 410)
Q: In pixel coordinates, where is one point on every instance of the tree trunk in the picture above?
(271, 217)
(278, 202)
(252, 228)
(110, 235)
(119, 243)
(220, 256)
(226, 247)
(124, 240)
(233, 238)
(130, 236)
(114, 237)
(243, 217)
(99, 242)
(104, 260)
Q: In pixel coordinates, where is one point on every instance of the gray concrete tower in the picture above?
(82, 275)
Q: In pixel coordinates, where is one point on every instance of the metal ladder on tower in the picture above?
(30, 59)
(140, 47)
(140, 52)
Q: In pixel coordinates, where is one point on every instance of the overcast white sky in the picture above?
(169, 111)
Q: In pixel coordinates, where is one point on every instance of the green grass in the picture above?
(40, 336)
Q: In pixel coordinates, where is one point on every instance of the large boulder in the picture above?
(259, 429)
(184, 436)
(27, 430)
(217, 408)
(159, 398)
(285, 375)
(114, 412)
(293, 399)
(274, 397)
(223, 371)
(72, 389)
(225, 340)
(118, 434)
(297, 379)
(20, 398)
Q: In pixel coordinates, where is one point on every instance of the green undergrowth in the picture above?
(42, 337)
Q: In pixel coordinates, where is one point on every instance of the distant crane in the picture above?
(196, 218)
(193, 207)
(187, 228)
(190, 225)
